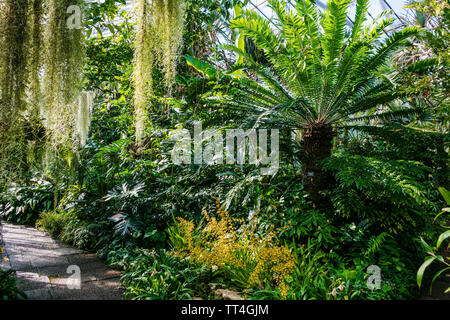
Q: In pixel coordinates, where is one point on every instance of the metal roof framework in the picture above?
(262, 6)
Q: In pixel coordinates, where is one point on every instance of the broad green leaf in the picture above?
(443, 237)
(422, 269)
(426, 245)
(99, 31)
(111, 28)
(201, 66)
(236, 74)
(446, 194)
(240, 40)
(228, 173)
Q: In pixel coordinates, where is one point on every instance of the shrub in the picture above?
(23, 204)
(159, 276)
(391, 195)
(54, 221)
(67, 227)
(8, 286)
(309, 224)
(310, 279)
(78, 234)
(248, 259)
(437, 253)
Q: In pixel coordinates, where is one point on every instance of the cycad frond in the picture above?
(367, 102)
(362, 7)
(334, 30)
(267, 76)
(392, 43)
(423, 66)
(390, 115)
(339, 75)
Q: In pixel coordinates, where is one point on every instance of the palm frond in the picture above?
(334, 30)
(318, 71)
(393, 115)
(266, 75)
(362, 7)
(392, 43)
(423, 66)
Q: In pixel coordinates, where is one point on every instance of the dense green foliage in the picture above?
(355, 105)
(436, 253)
(8, 286)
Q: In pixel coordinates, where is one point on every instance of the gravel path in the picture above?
(49, 270)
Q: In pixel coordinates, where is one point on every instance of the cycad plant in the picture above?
(326, 71)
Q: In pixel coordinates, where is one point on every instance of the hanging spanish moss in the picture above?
(35, 60)
(34, 128)
(63, 65)
(159, 39)
(169, 23)
(13, 79)
(60, 160)
(13, 55)
(83, 117)
(143, 66)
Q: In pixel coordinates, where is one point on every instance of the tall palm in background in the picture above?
(322, 74)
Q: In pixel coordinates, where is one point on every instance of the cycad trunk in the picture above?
(317, 145)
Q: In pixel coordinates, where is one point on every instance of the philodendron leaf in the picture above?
(201, 66)
(422, 269)
(442, 238)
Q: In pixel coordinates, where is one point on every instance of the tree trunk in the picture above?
(317, 145)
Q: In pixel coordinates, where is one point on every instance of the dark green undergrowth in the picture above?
(387, 157)
(8, 286)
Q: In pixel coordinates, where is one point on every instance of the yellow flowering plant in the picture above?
(232, 246)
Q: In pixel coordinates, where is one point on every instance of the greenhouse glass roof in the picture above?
(376, 6)
(375, 9)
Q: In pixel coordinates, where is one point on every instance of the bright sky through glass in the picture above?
(376, 7)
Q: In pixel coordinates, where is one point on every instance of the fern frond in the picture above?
(375, 244)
